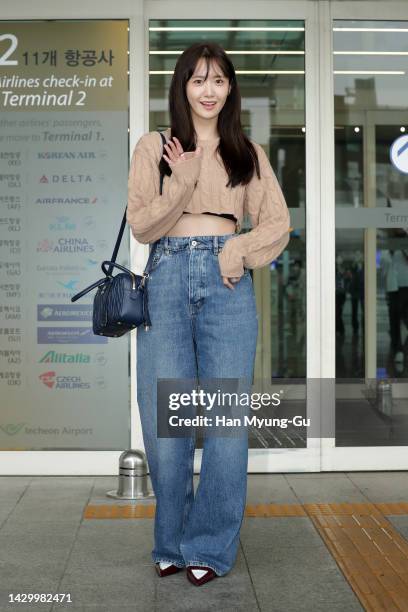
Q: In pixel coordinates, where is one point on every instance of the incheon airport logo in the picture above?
(11, 429)
(72, 383)
(65, 245)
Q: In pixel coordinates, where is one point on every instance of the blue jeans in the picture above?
(200, 329)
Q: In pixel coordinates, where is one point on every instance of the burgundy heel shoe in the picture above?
(172, 569)
(209, 575)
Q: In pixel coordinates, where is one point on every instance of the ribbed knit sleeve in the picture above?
(149, 214)
(270, 220)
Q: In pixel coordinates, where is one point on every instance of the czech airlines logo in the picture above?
(52, 381)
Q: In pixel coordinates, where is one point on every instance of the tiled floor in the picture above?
(284, 563)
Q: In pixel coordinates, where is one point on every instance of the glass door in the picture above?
(367, 262)
(272, 55)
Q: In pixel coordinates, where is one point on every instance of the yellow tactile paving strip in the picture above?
(371, 553)
(393, 508)
(115, 511)
(267, 510)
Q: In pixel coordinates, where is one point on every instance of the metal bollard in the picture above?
(384, 397)
(132, 477)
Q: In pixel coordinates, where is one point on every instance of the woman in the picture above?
(201, 298)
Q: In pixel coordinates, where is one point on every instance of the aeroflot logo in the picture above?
(65, 245)
(66, 178)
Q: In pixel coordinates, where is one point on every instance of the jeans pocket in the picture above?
(158, 254)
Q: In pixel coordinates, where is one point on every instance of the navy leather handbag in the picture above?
(121, 302)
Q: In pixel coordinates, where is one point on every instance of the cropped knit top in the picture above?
(198, 185)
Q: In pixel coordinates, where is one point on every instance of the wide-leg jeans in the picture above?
(200, 329)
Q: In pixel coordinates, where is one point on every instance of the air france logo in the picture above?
(52, 381)
(71, 200)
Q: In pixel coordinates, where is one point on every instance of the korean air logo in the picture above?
(64, 155)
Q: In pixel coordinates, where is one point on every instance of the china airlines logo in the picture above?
(44, 246)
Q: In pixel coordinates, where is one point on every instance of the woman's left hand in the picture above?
(226, 280)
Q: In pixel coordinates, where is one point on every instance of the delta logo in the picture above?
(66, 178)
(65, 245)
(71, 383)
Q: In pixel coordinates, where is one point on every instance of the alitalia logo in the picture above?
(55, 357)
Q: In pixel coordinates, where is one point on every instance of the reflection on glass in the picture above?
(371, 270)
(270, 70)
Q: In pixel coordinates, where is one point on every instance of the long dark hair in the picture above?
(236, 150)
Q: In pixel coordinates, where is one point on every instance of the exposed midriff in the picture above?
(195, 224)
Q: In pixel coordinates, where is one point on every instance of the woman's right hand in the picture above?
(175, 153)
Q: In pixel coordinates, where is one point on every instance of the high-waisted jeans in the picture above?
(200, 328)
